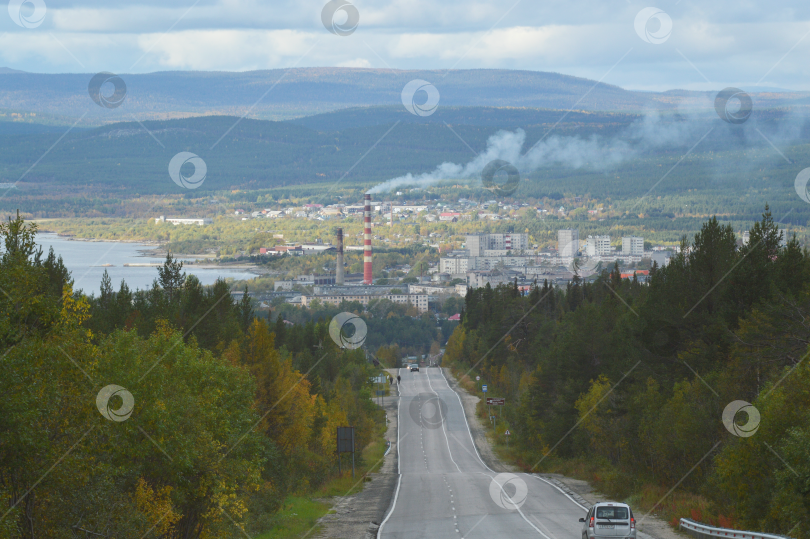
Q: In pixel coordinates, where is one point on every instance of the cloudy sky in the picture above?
(630, 43)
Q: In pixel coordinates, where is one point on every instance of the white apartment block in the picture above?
(489, 262)
(418, 300)
(632, 245)
(454, 264)
(184, 221)
(568, 242)
(461, 264)
(478, 279)
(597, 246)
(414, 209)
(478, 244)
(589, 248)
(603, 247)
(432, 290)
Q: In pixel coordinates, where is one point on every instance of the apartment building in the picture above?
(420, 301)
(479, 244)
(568, 242)
(632, 245)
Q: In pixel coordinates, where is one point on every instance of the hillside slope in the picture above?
(279, 94)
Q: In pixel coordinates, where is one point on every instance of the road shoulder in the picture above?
(359, 515)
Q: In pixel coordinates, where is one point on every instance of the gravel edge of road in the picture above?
(360, 515)
(579, 490)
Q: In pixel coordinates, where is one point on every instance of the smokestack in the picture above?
(339, 266)
(368, 278)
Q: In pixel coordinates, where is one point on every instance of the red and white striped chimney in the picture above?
(367, 273)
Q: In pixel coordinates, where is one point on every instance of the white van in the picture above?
(609, 520)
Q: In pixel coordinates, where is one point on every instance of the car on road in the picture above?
(415, 367)
(609, 520)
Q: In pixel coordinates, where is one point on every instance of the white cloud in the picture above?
(357, 62)
(231, 50)
(553, 45)
(725, 41)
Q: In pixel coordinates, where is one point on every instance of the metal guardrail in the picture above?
(702, 531)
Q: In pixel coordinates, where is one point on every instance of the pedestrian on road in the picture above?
(398, 378)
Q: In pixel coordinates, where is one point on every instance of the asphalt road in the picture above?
(446, 491)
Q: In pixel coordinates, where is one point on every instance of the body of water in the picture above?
(83, 258)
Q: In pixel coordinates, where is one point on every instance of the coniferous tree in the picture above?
(107, 294)
(244, 310)
(171, 277)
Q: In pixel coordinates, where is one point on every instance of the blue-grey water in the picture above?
(82, 258)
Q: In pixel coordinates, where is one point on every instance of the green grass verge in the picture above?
(300, 514)
(298, 517)
(346, 484)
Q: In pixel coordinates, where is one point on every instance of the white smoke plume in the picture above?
(650, 132)
(574, 152)
(680, 129)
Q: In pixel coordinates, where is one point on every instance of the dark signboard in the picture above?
(345, 439)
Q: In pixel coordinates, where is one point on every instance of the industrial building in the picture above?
(335, 291)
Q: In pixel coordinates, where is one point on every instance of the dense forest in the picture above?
(389, 324)
(625, 384)
(172, 411)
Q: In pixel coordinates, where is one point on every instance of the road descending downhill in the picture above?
(446, 491)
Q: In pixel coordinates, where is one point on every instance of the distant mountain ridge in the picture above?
(285, 94)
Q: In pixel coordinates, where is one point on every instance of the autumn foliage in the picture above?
(231, 414)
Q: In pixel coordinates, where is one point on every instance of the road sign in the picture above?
(345, 444)
(507, 433)
(477, 378)
(484, 388)
(380, 393)
(497, 401)
(345, 439)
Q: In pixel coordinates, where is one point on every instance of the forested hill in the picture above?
(283, 93)
(500, 117)
(734, 162)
